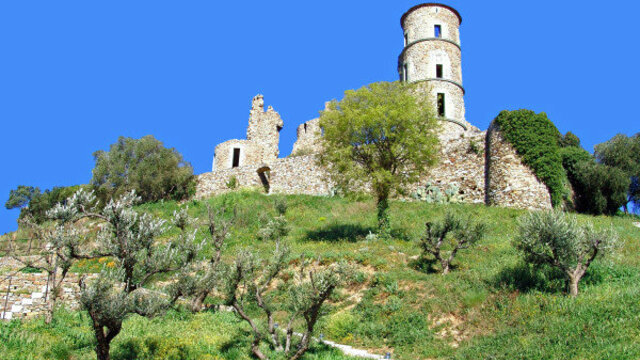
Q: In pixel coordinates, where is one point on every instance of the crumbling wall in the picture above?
(308, 138)
(264, 129)
(510, 183)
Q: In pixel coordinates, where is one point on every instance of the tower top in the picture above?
(426, 5)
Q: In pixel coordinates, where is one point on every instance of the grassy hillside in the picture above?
(490, 306)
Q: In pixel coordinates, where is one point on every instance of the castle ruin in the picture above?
(480, 165)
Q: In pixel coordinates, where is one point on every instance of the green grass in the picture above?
(490, 307)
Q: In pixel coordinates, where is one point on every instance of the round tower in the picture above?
(432, 56)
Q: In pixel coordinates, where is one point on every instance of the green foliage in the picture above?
(433, 195)
(572, 157)
(599, 189)
(570, 140)
(143, 165)
(232, 184)
(555, 239)
(35, 204)
(623, 153)
(380, 135)
(489, 308)
(536, 139)
(130, 239)
(21, 196)
(443, 239)
(474, 148)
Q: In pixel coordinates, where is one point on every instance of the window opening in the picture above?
(406, 39)
(236, 158)
(405, 72)
(439, 71)
(438, 31)
(305, 128)
(441, 102)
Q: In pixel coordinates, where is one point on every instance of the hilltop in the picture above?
(489, 306)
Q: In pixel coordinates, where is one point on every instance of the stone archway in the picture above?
(264, 173)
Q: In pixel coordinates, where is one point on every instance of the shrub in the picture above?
(443, 239)
(536, 139)
(143, 165)
(599, 189)
(555, 239)
(232, 183)
(35, 204)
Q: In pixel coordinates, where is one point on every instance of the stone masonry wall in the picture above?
(28, 293)
(308, 141)
(510, 183)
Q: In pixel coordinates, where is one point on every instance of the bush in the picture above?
(555, 239)
(35, 204)
(599, 189)
(536, 139)
(143, 165)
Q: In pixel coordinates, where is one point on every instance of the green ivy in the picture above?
(536, 139)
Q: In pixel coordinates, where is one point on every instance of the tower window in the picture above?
(236, 158)
(438, 31)
(439, 71)
(406, 39)
(305, 128)
(405, 72)
(441, 101)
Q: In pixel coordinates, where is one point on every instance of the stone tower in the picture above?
(432, 57)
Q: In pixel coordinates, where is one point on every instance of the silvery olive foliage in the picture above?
(277, 227)
(556, 239)
(445, 238)
(254, 281)
(198, 281)
(128, 240)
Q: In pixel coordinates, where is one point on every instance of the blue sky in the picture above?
(75, 75)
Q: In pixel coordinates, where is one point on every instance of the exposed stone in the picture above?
(494, 175)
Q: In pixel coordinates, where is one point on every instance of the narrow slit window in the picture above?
(405, 72)
(305, 128)
(236, 158)
(439, 71)
(438, 31)
(406, 39)
(441, 106)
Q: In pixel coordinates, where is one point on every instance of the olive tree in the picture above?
(129, 240)
(383, 136)
(198, 281)
(53, 249)
(443, 239)
(555, 239)
(254, 282)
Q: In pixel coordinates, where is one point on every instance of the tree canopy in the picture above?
(143, 165)
(623, 152)
(383, 135)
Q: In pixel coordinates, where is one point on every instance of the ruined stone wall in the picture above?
(462, 166)
(264, 129)
(510, 183)
(308, 141)
(223, 156)
(28, 293)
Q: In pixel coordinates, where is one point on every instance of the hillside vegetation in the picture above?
(490, 305)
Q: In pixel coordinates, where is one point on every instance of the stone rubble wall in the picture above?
(462, 165)
(510, 183)
(308, 141)
(29, 294)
